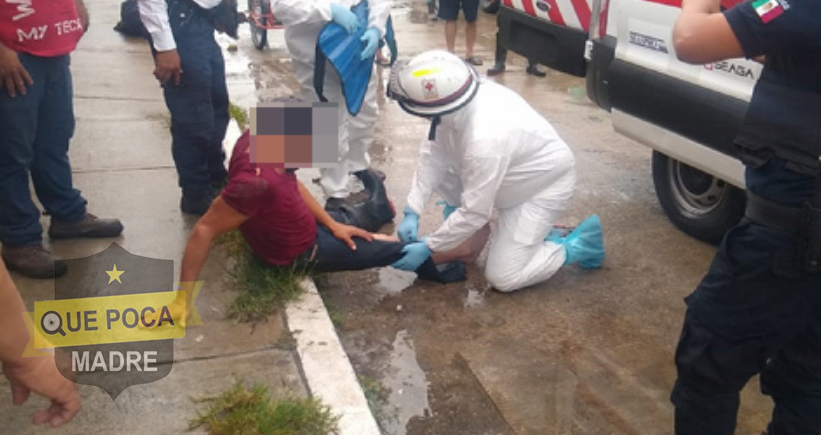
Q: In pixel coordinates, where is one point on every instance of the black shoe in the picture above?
(33, 261)
(496, 70)
(89, 227)
(442, 273)
(195, 205)
(535, 71)
(371, 179)
(369, 214)
(334, 204)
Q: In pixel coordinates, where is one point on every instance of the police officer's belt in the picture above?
(224, 16)
(774, 216)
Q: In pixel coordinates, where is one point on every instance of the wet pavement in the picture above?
(584, 353)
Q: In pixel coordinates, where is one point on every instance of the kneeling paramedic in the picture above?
(480, 159)
(758, 310)
(285, 226)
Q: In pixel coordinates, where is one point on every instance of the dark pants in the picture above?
(333, 255)
(501, 54)
(35, 130)
(199, 105)
(754, 313)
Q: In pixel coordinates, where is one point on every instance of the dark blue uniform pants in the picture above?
(754, 313)
(199, 105)
(35, 130)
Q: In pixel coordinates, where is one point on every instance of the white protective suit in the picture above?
(499, 153)
(303, 20)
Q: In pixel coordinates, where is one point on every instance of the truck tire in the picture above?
(259, 36)
(491, 6)
(697, 203)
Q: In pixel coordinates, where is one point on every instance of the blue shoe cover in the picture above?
(585, 245)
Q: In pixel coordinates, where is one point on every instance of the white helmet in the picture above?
(433, 83)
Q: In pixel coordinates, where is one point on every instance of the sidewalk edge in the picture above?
(328, 372)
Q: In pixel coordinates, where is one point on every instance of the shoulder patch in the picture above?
(769, 10)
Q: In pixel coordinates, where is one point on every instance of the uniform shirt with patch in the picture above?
(280, 225)
(781, 135)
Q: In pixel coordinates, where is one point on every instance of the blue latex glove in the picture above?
(344, 17)
(371, 40)
(409, 228)
(448, 210)
(415, 255)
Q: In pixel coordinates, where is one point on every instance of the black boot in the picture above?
(497, 69)
(369, 214)
(195, 205)
(334, 204)
(534, 70)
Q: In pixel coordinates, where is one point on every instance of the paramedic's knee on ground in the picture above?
(468, 251)
(518, 255)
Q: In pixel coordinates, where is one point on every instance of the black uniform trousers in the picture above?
(199, 105)
(754, 313)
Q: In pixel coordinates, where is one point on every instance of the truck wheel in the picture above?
(699, 204)
(259, 35)
(491, 6)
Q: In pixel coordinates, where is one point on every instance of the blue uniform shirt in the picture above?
(781, 135)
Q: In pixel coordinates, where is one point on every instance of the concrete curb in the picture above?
(328, 371)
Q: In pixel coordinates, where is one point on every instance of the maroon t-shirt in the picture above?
(280, 224)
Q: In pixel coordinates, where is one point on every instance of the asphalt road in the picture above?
(584, 353)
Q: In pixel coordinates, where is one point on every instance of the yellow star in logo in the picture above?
(114, 275)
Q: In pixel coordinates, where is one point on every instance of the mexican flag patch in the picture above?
(768, 10)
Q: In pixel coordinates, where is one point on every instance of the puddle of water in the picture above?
(393, 281)
(408, 385)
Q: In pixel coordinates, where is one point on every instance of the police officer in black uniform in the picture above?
(758, 310)
(191, 70)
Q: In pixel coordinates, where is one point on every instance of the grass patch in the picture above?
(377, 396)
(243, 411)
(262, 288)
(238, 114)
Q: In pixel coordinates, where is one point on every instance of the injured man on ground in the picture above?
(285, 226)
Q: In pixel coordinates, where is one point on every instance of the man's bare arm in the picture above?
(31, 374)
(702, 33)
(220, 218)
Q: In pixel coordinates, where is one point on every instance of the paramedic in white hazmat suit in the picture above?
(488, 149)
(303, 20)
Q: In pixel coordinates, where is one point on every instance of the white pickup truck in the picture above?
(688, 114)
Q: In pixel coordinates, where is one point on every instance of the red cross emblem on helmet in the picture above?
(429, 87)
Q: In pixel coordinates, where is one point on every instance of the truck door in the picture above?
(551, 32)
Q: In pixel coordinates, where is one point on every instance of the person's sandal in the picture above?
(473, 61)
